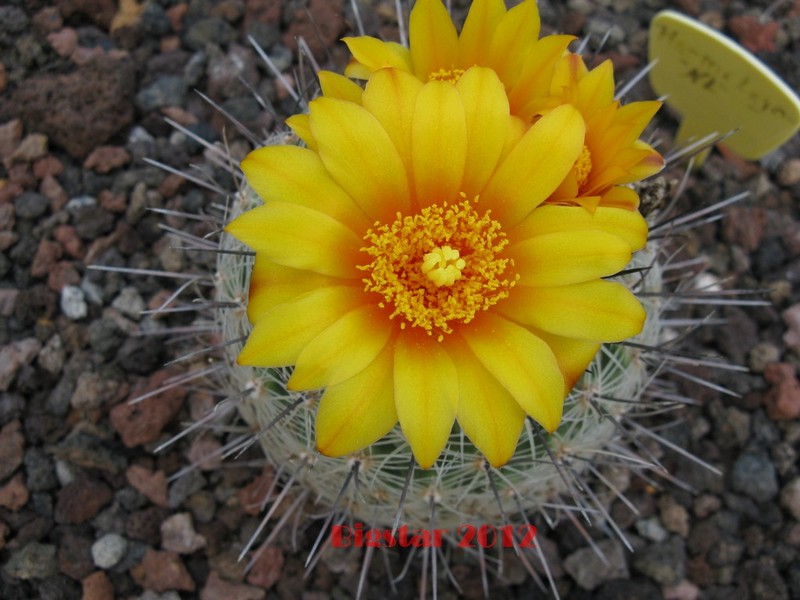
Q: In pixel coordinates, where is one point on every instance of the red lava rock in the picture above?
(64, 41)
(12, 357)
(782, 400)
(752, 34)
(8, 191)
(69, 240)
(47, 254)
(10, 137)
(112, 203)
(14, 495)
(264, 11)
(204, 453)
(152, 485)
(745, 226)
(75, 554)
(251, 497)
(142, 422)
(47, 166)
(180, 116)
(171, 184)
(63, 273)
(79, 110)
(690, 7)
(97, 586)
(162, 571)
(81, 500)
(8, 297)
(22, 174)
(12, 448)
(267, 569)
(99, 11)
(47, 21)
(7, 213)
(178, 535)
(107, 158)
(320, 25)
(217, 588)
(52, 190)
(176, 13)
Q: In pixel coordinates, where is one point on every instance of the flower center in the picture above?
(443, 266)
(451, 75)
(583, 166)
(439, 267)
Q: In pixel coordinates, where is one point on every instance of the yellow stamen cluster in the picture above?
(443, 266)
(439, 267)
(583, 166)
(451, 75)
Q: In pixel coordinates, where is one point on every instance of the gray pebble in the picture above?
(754, 475)
(652, 529)
(663, 563)
(109, 550)
(790, 498)
(52, 356)
(211, 30)
(184, 487)
(164, 91)
(30, 205)
(589, 571)
(40, 474)
(79, 203)
(33, 561)
(129, 302)
(73, 303)
(761, 355)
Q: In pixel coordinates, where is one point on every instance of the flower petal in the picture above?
(342, 350)
(513, 38)
(627, 224)
(358, 412)
(334, 85)
(564, 258)
(426, 394)
(272, 284)
(432, 38)
(391, 95)
(626, 199)
(438, 144)
(360, 157)
(281, 333)
(300, 126)
(297, 175)
(538, 68)
(536, 165)
(373, 54)
(487, 118)
(298, 237)
(482, 19)
(598, 311)
(487, 413)
(573, 356)
(596, 89)
(522, 363)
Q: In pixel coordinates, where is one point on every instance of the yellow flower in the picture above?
(538, 75)
(406, 264)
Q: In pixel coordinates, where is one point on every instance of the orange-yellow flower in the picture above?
(538, 76)
(406, 264)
